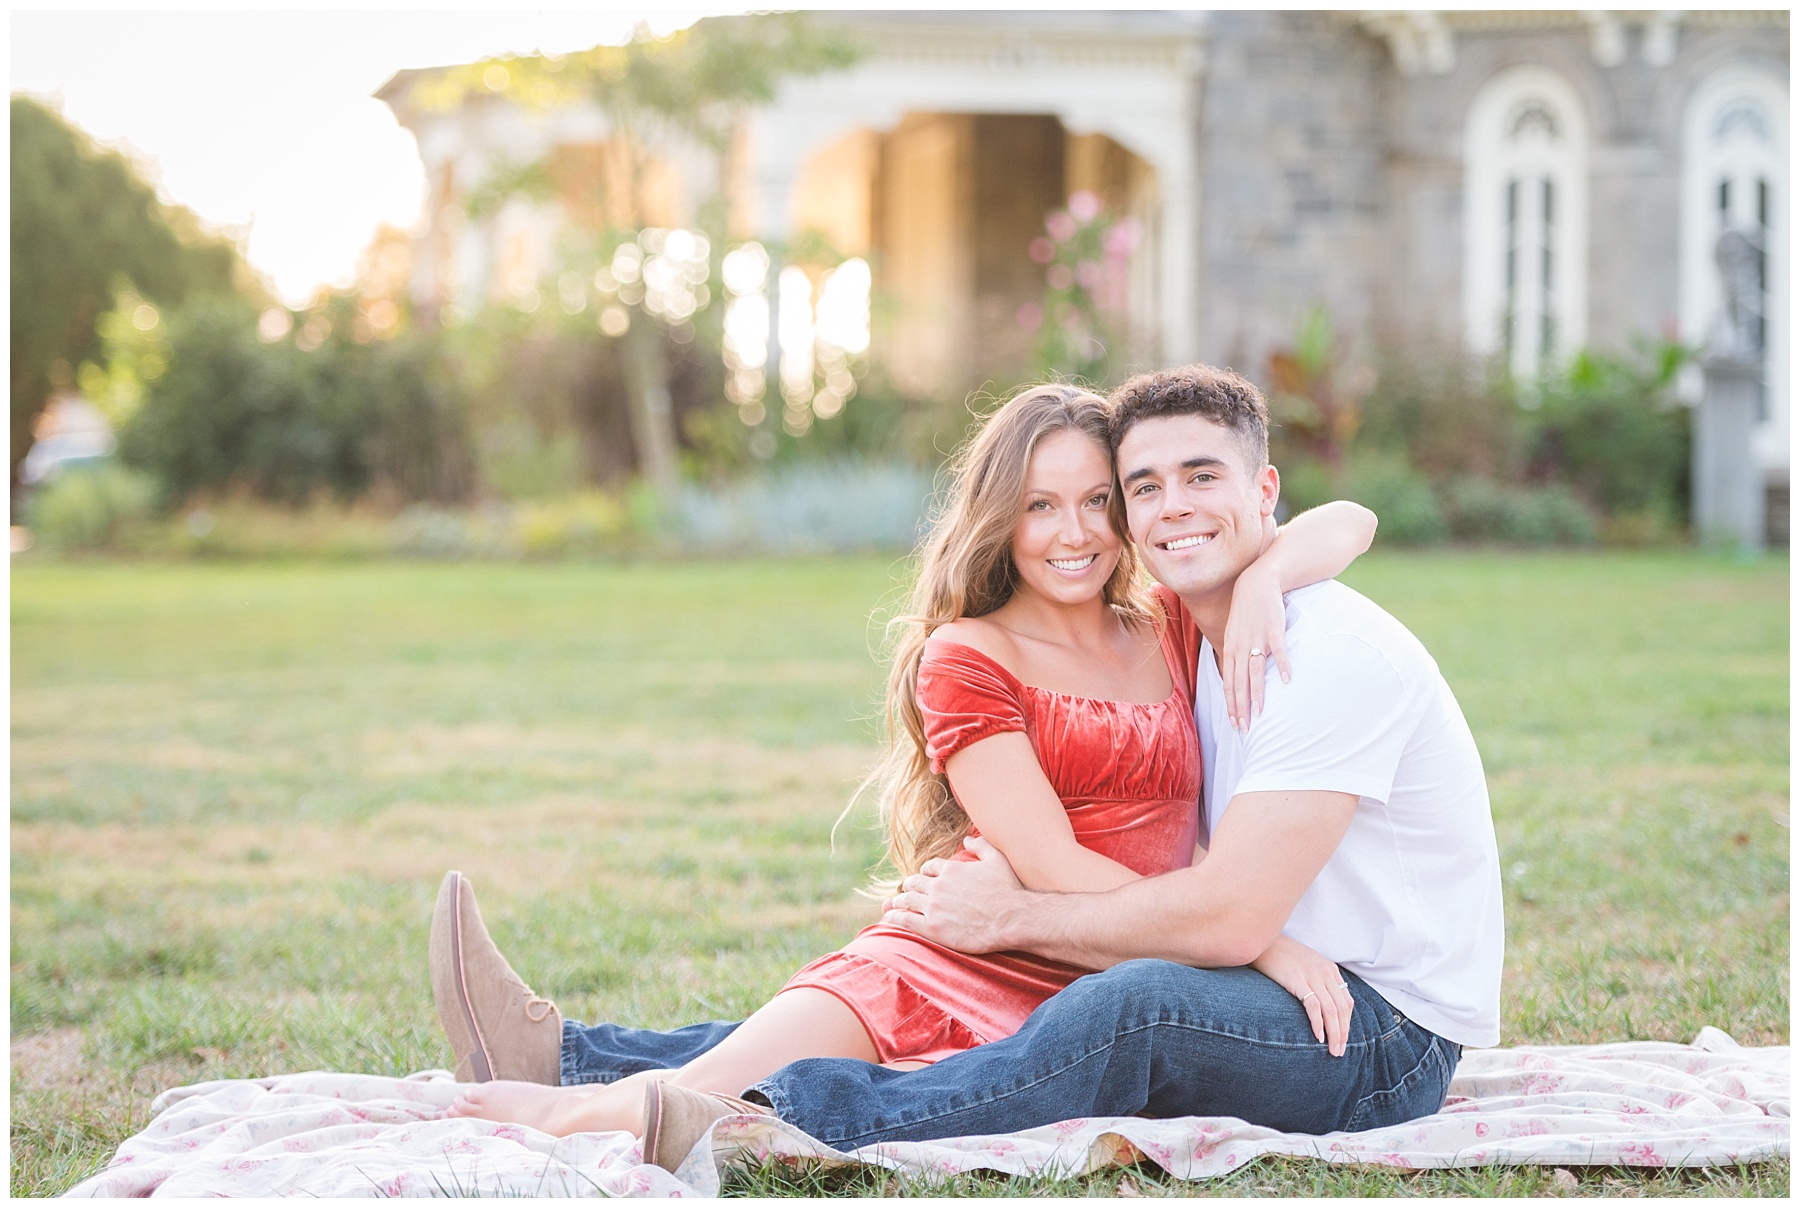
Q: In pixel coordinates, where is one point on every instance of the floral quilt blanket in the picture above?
(1711, 1102)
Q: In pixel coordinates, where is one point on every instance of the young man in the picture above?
(1352, 815)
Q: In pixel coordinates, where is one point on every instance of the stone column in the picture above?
(1728, 490)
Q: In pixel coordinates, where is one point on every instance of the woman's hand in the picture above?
(1255, 636)
(1317, 983)
(1312, 547)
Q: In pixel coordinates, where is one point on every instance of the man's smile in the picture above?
(1180, 543)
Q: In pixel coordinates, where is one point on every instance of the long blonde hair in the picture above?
(965, 569)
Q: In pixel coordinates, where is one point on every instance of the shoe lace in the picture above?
(537, 1007)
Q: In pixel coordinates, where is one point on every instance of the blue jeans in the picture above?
(1143, 1038)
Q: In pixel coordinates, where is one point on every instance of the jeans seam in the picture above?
(885, 1125)
(1431, 1055)
(996, 1096)
(774, 1096)
(568, 1065)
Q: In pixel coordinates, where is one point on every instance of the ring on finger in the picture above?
(1256, 652)
(1309, 994)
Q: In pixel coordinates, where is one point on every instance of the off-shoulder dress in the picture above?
(1129, 776)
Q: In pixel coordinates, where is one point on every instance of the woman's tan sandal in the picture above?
(497, 1025)
(675, 1118)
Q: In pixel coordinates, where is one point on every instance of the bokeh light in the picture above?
(745, 271)
(794, 333)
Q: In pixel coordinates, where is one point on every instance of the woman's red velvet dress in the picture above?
(1129, 776)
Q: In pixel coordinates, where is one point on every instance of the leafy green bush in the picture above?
(1482, 510)
(1400, 495)
(1444, 421)
(290, 418)
(415, 439)
(1597, 451)
(231, 410)
(1612, 428)
(88, 507)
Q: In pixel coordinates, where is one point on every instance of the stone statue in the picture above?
(1739, 330)
(1728, 493)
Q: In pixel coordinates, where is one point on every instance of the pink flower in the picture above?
(1123, 239)
(1645, 1155)
(1084, 206)
(1029, 317)
(1042, 250)
(1088, 273)
(1060, 226)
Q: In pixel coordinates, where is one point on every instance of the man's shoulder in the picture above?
(1340, 622)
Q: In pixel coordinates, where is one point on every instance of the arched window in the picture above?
(1525, 210)
(1734, 178)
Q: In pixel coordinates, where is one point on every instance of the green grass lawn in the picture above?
(234, 790)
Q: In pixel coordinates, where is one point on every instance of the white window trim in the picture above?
(1484, 219)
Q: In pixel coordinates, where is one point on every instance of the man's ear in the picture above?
(1269, 485)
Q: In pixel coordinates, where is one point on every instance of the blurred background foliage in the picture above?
(85, 226)
(1597, 450)
(617, 406)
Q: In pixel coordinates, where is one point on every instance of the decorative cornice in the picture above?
(1419, 40)
(1606, 36)
(1423, 40)
(998, 40)
(1013, 41)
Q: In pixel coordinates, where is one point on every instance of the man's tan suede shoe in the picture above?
(675, 1118)
(498, 1027)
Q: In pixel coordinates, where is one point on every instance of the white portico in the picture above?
(903, 155)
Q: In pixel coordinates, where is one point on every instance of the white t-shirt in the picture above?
(1410, 900)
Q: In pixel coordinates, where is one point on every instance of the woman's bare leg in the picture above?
(802, 1022)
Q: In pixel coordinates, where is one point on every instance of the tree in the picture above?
(692, 86)
(85, 225)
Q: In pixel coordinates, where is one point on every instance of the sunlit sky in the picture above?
(263, 122)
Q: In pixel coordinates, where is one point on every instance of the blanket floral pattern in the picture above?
(1630, 1104)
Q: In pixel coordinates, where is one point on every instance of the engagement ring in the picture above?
(1256, 652)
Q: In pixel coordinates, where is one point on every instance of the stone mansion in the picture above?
(1507, 184)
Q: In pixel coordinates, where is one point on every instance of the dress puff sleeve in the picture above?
(965, 696)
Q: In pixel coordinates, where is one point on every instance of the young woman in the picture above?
(1035, 700)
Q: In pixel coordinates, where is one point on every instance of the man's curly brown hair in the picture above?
(1226, 398)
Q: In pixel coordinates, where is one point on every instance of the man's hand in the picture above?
(968, 905)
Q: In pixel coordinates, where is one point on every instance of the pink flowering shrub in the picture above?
(1082, 324)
